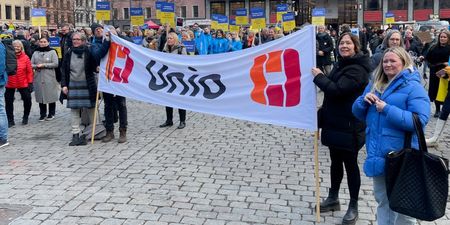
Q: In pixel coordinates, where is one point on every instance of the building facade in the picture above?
(188, 9)
(58, 12)
(17, 12)
(362, 12)
(84, 13)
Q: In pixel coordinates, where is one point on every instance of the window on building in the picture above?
(26, 12)
(218, 8)
(423, 4)
(126, 13)
(8, 12)
(398, 5)
(195, 11)
(0, 11)
(18, 12)
(183, 10)
(48, 16)
(39, 3)
(115, 13)
(63, 19)
(273, 9)
(257, 4)
(372, 5)
(148, 12)
(234, 5)
(444, 4)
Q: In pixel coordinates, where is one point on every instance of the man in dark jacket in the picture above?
(112, 102)
(324, 48)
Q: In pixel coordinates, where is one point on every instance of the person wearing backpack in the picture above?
(3, 78)
(22, 81)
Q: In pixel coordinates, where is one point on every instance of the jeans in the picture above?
(115, 102)
(3, 118)
(385, 216)
(9, 102)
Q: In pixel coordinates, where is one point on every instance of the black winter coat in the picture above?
(346, 82)
(325, 44)
(90, 69)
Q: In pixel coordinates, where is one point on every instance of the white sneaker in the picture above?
(3, 143)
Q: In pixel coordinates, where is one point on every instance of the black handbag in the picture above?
(416, 180)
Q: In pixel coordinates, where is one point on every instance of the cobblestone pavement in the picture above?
(215, 171)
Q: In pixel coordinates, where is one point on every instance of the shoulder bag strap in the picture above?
(419, 131)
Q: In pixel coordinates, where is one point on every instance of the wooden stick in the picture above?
(95, 116)
(316, 172)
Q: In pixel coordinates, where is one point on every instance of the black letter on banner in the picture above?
(179, 77)
(216, 79)
(152, 84)
(196, 88)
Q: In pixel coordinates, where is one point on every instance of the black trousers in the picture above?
(9, 102)
(169, 114)
(339, 159)
(112, 103)
(43, 109)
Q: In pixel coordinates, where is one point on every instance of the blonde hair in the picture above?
(380, 81)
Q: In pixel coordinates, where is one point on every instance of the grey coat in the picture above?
(46, 87)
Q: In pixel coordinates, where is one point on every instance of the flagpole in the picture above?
(316, 172)
(95, 116)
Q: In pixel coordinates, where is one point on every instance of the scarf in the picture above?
(79, 51)
(407, 43)
(44, 49)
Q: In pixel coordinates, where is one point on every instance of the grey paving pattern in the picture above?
(215, 171)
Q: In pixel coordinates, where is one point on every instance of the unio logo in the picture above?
(167, 80)
(115, 73)
(283, 67)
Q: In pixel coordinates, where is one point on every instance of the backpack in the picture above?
(11, 59)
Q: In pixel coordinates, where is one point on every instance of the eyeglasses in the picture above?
(76, 39)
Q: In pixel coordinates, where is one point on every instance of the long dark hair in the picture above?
(355, 40)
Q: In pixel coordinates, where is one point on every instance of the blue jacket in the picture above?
(3, 75)
(201, 43)
(235, 45)
(385, 131)
(220, 45)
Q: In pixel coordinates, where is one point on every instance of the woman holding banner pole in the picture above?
(341, 131)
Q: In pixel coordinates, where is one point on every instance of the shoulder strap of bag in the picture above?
(420, 135)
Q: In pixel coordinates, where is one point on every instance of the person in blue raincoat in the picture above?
(201, 40)
(235, 42)
(387, 106)
(220, 43)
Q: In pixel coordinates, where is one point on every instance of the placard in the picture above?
(38, 17)
(103, 11)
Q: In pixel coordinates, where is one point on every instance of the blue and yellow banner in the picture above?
(241, 17)
(55, 44)
(288, 21)
(215, 21)
(390, 17)
(233, 26)
(190, 47)
(38, 17)
(137, 16)
(258, 18)
(103, 11)
(318, 16)
(168, 13)
(281, 9)
(222, 22)
(158, 9)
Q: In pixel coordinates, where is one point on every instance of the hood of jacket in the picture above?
(359, 59)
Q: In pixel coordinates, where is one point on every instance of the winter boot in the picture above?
(437, 132)
(122, 135)
(75, 140)
(109, 136)
(351, 216)
(331, 203)
(82, 140)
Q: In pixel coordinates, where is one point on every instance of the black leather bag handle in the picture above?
(420, 135)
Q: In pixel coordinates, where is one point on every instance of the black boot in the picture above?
(166, 124)
(75, 140)
(351, 216)
(331, 203)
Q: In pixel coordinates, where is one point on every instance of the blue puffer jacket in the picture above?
(3, 75)
(385, 130)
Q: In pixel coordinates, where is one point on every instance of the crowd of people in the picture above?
(371, 83)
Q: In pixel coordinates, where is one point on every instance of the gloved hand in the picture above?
(30, 87)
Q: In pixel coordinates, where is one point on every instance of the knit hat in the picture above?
(95, 26)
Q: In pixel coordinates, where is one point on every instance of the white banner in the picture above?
(270, 83)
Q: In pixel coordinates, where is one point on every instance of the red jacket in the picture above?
(24, 74)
